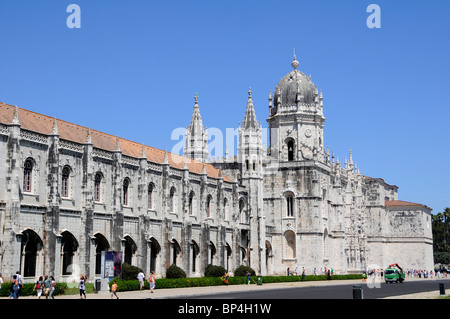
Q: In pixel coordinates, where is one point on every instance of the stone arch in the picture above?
(290, 146)
(195, 250)
(31, 248)
(175, 251)
(130, 249)
(69, 248)
(155, 249)
(101, 244)
(212, 252)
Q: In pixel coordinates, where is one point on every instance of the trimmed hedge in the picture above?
(175, 272)
(214, 271)
(129, 285)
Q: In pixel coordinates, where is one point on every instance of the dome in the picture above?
(295, 87)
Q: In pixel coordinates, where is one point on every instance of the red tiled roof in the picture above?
(43, 124)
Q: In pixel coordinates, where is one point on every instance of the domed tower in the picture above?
(296, 118)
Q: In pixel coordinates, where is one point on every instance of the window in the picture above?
(172, 199)
(65, 182)
(126, 184)
(290, 146)
(289, 205)
(151, 186)
(191, 203)
(27, 175)
(97, 187)
(242, 212)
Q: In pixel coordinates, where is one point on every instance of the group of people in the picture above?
(151, 280)
(45, 285)
(16, 286)
(414, 273)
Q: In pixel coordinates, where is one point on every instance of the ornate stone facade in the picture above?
(68, 193)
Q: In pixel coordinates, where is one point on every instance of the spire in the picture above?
(350, 160)
(295, 63)
(55, 127)
(250, 121)
(196, 137)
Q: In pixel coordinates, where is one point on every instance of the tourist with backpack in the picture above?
(38, 287)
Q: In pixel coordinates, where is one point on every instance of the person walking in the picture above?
(152, 281)
(15, 288)
(52, 287)
(19, 283)
(47, 286)
(141, 278)
(82, 286)
(114, 290)
(1, 281)
(38, 286)
(225, 278)
(249, 275)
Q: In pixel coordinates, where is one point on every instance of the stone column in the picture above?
(10, 249)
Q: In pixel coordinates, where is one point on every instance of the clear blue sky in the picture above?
(133, 68)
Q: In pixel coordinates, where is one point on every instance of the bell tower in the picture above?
(296, 118)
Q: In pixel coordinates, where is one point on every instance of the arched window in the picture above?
(130, 250)
(191, 203)
(97, 187)
(289, 205)
(176, 251)
(101, 245)
(208, 206)
(150, 189)
(172, 200)
(125, 187)
(31, 247)
(65, 181)
(195, 252)
(69, 246)
(242, 213)
(290, 146)
(27, 175)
